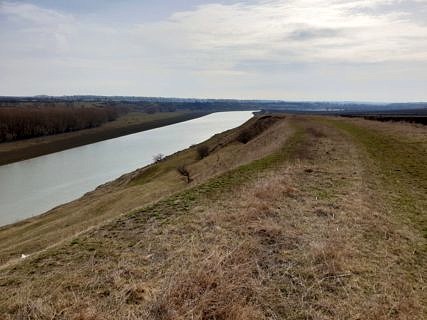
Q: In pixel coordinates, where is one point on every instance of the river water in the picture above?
(31, 187)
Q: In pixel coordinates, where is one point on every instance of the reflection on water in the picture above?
(34, 186)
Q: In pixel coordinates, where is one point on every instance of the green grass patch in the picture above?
(401, 166)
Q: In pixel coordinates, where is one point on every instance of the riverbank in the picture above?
(286, 218)
(29, 188)
(130, 123)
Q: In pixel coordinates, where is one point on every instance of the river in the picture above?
(31, 187)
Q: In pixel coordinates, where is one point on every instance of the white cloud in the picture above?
(268, 29)
(30, 13)
(217, 42)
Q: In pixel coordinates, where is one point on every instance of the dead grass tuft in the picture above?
(87, 314)
(220, 287)
(137, 293)
(328, 257)
(35, 309)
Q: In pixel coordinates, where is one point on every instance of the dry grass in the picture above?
(134, 191)
(257, 128)
(304, 239)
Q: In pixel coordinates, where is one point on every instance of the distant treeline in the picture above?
(18, 123)
(159, 104)
(421, 119)
(27, 117)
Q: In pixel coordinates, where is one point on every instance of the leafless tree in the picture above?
(184, 172)
(33, 121)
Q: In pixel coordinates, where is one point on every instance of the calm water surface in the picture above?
(31, 187)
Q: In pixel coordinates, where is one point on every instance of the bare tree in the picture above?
(23, 122)
(184, 172)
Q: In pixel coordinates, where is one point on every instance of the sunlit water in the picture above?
(31, 187)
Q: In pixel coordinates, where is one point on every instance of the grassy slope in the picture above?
(127, 124)
(304, 231)
(131, 192)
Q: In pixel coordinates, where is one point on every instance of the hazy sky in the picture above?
(366, 50)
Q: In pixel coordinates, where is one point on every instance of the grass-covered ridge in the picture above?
(292, 224)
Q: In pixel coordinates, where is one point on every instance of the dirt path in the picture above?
(305, 233)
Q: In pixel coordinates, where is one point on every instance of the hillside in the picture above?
(286, 217)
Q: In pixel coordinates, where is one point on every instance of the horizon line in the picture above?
(212, 99)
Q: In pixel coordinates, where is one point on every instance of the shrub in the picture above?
(244, 136)
(182, 170)
(202, 151)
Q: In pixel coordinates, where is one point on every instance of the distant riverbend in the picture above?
(33, 186)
